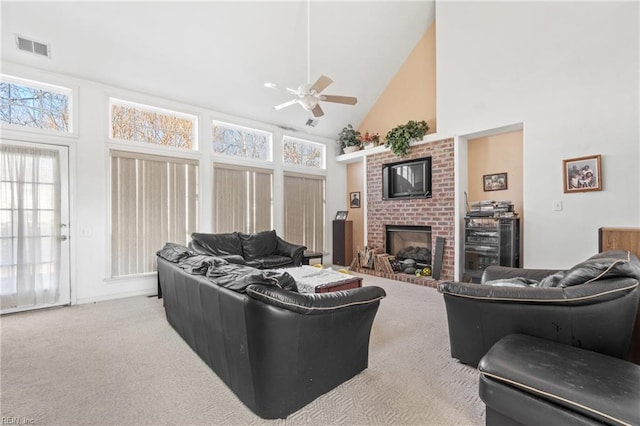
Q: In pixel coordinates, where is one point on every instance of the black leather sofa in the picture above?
(276, 349)
(525, 380)
(590, 306)
(263, 250)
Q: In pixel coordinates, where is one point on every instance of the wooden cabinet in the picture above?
(619, 239)
(342, 242)
(624, 239)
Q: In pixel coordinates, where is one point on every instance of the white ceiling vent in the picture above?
(32, 46)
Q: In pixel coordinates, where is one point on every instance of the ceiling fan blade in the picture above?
(286, 104)
(349, 100)
(285, 89)
(317, 111)
(321, 83)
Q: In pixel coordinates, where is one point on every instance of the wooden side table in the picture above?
(616, 238)
(308, 255)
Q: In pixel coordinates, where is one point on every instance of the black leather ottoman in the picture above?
(531, 381)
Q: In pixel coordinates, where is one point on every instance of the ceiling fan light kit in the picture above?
(309, 96)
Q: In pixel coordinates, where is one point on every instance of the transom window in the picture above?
(304, 153)
(143, 123)
(241, 142)
(36, 105)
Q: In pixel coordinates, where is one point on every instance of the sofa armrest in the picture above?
(294, 251)
(316, 303)
(505, 272)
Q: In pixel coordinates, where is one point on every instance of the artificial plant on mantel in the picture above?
(400, 137)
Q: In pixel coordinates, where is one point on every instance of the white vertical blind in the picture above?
(243, 199)
(304, 210)
(153, 200)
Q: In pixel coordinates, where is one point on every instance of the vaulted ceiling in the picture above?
(218, 55)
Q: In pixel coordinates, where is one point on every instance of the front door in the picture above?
(34, 225)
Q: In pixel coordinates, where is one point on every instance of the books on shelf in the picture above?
(490, 208)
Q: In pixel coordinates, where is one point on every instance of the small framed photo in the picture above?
(582, 174)
(341, 215)
(495, 182)
(354, 198)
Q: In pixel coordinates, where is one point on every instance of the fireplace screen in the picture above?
(409, 243)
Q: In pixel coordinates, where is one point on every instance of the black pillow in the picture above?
(255, 246)
(611, 264)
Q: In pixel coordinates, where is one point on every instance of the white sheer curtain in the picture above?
(30, 226)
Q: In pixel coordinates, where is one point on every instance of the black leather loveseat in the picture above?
(276, 349)
(590, 306)
(263, 250)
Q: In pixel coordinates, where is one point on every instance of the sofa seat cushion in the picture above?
(274, 261)
(259, 244)
(219, 244)
(573, 380)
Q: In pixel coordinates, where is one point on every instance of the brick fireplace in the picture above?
(437, 212)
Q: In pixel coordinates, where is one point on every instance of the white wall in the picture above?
(89, 170)
(569, 71)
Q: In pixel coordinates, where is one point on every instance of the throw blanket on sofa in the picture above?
(219, 271)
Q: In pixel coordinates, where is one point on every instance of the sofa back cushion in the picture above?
(610, 264)
(259, 244)
(219, 244)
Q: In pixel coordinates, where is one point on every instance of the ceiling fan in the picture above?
(310, 95)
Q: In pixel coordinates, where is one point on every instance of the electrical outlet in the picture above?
(85, 232)
(557, 206)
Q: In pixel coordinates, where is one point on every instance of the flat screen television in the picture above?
(407, 179)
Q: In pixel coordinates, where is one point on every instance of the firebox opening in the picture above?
(409, 244)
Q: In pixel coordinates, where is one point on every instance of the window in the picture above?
(142, 123)
(153, 200)
(304, 206)
(36, 105)
(243, 199)
(299, 152)
(241, 142)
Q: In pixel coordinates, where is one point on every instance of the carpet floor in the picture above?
(120, 363)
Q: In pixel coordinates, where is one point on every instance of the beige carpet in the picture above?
(119, 362)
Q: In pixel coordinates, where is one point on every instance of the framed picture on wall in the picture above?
(354, 198)
(582, 174)
(495, 182)
(341, 215)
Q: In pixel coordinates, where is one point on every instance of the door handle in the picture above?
(63, 238)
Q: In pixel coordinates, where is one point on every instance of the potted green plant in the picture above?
(349, 139)
(400, 137)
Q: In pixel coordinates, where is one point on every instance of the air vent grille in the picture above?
(32, 46)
